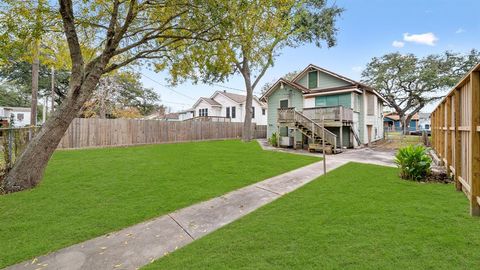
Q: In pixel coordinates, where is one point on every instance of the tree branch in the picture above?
(66, 11)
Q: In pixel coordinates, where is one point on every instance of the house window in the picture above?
(228, 112)
(370, 104)
(264, 111)
(234, 112)
(203, 112)
(20, 116)
(253, 112)
(313, 79)
(356, 102)
(284, 103)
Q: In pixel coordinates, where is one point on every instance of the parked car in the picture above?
(421, 129)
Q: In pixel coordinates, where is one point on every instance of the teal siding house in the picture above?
(319, 105)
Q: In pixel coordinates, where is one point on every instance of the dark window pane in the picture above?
(312, 79)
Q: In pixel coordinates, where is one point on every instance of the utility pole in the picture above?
(44, 111)
(35, 69)
(52, 106)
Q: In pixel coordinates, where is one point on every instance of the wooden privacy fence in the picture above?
(456, 136)
(94, 132)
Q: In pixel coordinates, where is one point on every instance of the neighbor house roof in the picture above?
(207, 100)
(395, 117)
(235, 97)
(240, 99)
(17, 109)
(172, 116)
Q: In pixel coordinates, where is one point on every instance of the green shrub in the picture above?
(273, 140)
(414, 162)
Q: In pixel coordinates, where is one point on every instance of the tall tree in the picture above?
(17, 73)
(255, 32)
(23, 23)
(409, 83)
(289, 76)
(121, 92)
(118, 33)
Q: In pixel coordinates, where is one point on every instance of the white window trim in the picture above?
(280, 102)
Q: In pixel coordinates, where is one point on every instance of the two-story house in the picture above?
(350, 111)
(228, 106)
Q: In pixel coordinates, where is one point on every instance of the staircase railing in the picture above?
(355, 134)
(316, 129)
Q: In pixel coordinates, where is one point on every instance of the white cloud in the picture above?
(427, 38)
(460, 30)
(398, 44)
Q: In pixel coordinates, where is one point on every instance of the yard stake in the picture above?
(323, 146)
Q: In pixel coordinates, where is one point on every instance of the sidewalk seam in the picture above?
(271, 191)
(180, 225)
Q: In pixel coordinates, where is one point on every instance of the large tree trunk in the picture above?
(404, 122)
(29, 167)
(247, 123)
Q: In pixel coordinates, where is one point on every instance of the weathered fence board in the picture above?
(94, 132)
(456, 136)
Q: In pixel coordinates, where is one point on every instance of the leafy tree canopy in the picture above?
(409, 82)
(289, 76)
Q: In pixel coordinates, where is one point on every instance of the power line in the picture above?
(171, 102)
(232, 88)
(168, 87)
(215, 84)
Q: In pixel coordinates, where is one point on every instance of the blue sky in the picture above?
(367, 28)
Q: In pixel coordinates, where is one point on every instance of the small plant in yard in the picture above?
(273, 140)
(414, 162)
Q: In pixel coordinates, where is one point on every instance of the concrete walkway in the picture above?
(140, 244)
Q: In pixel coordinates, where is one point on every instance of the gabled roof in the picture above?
(394, 116)
(240, 99)
(287, 82)
(341, 77)
(235, 97)
(293, 83)
(338, 76)
(207, 100)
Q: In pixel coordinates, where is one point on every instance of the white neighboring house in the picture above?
(424, 121)
(228, 105)
(21, 115)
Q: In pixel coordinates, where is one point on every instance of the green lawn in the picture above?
(356, 217)
(86, 193)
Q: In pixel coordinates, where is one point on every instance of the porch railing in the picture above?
(210, 119)
(336, 113)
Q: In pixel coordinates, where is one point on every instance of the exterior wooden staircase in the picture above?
(311, 129)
